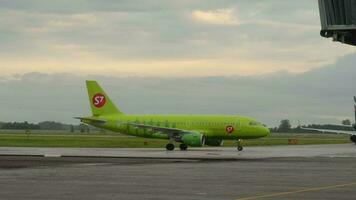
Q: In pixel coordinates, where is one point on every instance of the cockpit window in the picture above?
(255, 123)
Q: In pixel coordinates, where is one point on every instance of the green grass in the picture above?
(113, 140)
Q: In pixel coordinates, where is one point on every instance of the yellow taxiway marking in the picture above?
(297, 191)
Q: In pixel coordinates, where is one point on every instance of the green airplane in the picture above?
(188, 130)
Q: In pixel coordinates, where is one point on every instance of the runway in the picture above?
(280, 172)
(338, 150)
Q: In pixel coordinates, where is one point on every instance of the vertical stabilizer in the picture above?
(355, 110)
(100, 102)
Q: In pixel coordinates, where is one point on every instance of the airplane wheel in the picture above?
(183, 147)
(170, 147)
(240, 148)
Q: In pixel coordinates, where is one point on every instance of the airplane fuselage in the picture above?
(188, 130)
(211, 126)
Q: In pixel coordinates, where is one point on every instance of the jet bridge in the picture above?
(338, 20)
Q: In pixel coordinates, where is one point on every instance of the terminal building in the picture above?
(338, 20)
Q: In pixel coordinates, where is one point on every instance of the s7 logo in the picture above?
(99, 100)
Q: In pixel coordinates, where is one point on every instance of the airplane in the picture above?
(351, 133)
(188, 130)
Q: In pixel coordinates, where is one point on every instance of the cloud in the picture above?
(264, 59)
(322, 95)
(217, 17)
(165, 38)
(55, 22)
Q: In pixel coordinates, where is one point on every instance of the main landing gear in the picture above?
(239, 145)
(171, 146)
(183, 147)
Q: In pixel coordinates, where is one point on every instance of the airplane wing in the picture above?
(173, 131)
(335, 131)
(341, 125)
(167, 130)
(330, 131)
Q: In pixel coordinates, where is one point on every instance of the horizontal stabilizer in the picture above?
(87, 119)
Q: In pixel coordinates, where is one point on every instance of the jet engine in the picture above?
(193, 139)
(214, 142)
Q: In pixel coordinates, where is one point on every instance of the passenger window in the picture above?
(254, 123)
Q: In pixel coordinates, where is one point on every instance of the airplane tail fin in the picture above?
(100, 102)
(355, 111)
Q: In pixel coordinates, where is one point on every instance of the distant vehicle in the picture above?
(188, 130)
(351, 133)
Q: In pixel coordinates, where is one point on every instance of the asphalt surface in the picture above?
(320, 176)
(338, 150)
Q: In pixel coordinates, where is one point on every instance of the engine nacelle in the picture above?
(214, 142)
(353, 138)
(193, 139)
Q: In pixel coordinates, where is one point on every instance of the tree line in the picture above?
(46, 125)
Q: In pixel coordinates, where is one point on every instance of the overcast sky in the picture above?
(260, 58)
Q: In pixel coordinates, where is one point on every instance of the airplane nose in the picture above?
(267, 131)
